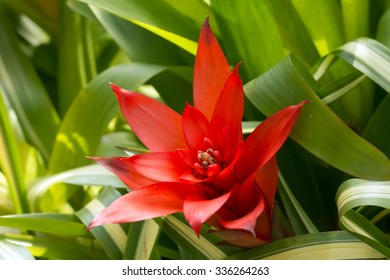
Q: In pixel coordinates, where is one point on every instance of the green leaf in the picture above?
(317, 246)
(76, 65)
(313, 194)
(378, 129)
(294, 33)
(355, 18)
(111, 237)
(26, 93)
(161, 18)
(247, 36)
(59, 224)
(323, 20)
(355, 193)
(142, 239)
(92, 175)
(159, 50)
(367, 55)
(11, 159)
(249, 126)
(11, 251)
(341, 87)
(383, 32)
(300, 222)
(57, 248)
(196, 247)
(289, 83)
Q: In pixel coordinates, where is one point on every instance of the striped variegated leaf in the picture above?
(316, 246)
(352, 198)
(194, 246)
(111, 237)
(12, 251)
(367, 55)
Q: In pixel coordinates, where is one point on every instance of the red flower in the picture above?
(199, 163)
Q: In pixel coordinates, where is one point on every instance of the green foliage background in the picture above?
(57, 58)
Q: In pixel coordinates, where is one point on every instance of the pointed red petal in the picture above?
(263, 143)
(186, 156)
(263, 224)
(124, 170)
(156, 125)
(248, 204)
(210, 72)
(247, 222)
(159, 166)
(149, 202)
(228, 114)
(197, 208)
(267, 180)
(196, 127)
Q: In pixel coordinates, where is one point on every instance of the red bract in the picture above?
(199, 163)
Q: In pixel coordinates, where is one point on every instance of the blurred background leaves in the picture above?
(56, 107)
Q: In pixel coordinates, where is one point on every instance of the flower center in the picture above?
(207, 158)
(209, 162)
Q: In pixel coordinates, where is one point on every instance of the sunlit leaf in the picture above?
(11, 158)
(60, 224)
(160, 18)
(355, 18)
(323, 20)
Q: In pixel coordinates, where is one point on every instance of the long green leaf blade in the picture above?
(378, 129)
(160, 18)
(196, 247)
(57, 248)
(318, 246)
(11, 159)
(73, 61)
(26, 93)
(288, 83)
(300, 222)
(91, 175)
(322, 19)
(245, 29)
(59, 224)
(142, 239)
(111, 237)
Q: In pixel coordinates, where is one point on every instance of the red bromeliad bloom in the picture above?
(199, 163)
